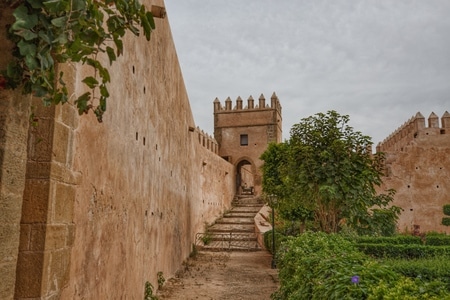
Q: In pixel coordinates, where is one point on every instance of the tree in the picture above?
(328, 169)
(49, 32)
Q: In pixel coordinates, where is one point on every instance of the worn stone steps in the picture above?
(235, 231)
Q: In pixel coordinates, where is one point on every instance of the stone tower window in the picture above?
(244, 139)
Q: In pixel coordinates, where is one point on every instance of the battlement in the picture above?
(207, 141)
(415, 128)
(274, 104)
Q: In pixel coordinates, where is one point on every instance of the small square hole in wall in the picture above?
(244, 139)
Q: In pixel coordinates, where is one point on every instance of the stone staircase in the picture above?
(235, 230)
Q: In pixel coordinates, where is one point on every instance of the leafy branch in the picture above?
(48, 32)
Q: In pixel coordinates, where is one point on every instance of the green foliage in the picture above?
(161, 279)
(446, 221)
(323, 266)
(403, 251)
(326, 172)
(50, 32)
(393, 240)
(430, 269)
(410, 289)
(148, 292)
(446, 209)
(437, 240)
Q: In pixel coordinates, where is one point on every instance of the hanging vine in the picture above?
(49, 32)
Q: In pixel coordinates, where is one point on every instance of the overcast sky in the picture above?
(378, 61)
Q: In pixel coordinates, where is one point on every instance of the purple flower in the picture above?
(355, 279)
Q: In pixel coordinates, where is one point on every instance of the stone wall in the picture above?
(418, 168)
(106, 206)
(14, 112)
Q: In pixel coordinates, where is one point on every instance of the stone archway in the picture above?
(245, 177)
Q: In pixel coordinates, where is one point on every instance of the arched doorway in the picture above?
(245, 178)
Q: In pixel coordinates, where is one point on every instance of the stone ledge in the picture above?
(261, 225)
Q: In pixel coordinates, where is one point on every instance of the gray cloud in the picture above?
(379, 61)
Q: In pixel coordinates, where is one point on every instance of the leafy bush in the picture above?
(446, 209)
(403, 251)
(407, 288)
(326, 266)
(437, 268)
(437, 240)
(397, 240)
(446, 221)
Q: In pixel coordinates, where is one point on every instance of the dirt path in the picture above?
(223, 275)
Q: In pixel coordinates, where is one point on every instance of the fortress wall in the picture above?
(143, 192)
(14, 113)
(409, 131)
(420, 173)
(107, 206)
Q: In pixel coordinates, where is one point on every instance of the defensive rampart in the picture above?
(102, 208)
(418, 168)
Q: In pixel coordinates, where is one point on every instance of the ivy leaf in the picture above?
(26, 49)
(27, 35)
(119, 45)
(60, 22)
(104, 91)
(23, 19)
(111, 54)
(82, 103)
(56, 6)
(78, 4)
(150, 19)
(90, 81)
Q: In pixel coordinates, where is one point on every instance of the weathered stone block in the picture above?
(35, 201)
(9, 238)
(29, 274)
(61, 140)
(7, 279)
(55, 237)
(63, 203)
(56, 274)
(40, 141)
(10, 207)
(25, 237)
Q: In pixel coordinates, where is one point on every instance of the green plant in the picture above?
(206, 238)
(326, 172)
(326, 266)
(407, 288)
(161, 279)
(49, 32)
(446, 209)
(148, 292)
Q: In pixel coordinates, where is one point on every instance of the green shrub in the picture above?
(437, 240)
(396, 240)
(436, 268)
(446, 221)
(326, 266)
(446, 209)
(403, 251)
(410, 289)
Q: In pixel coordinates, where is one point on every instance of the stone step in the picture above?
(232, 228)
(237, 214)
(235, 220)
(224, 247)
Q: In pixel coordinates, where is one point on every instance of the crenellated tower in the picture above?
(243, 133)
(417, 166)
